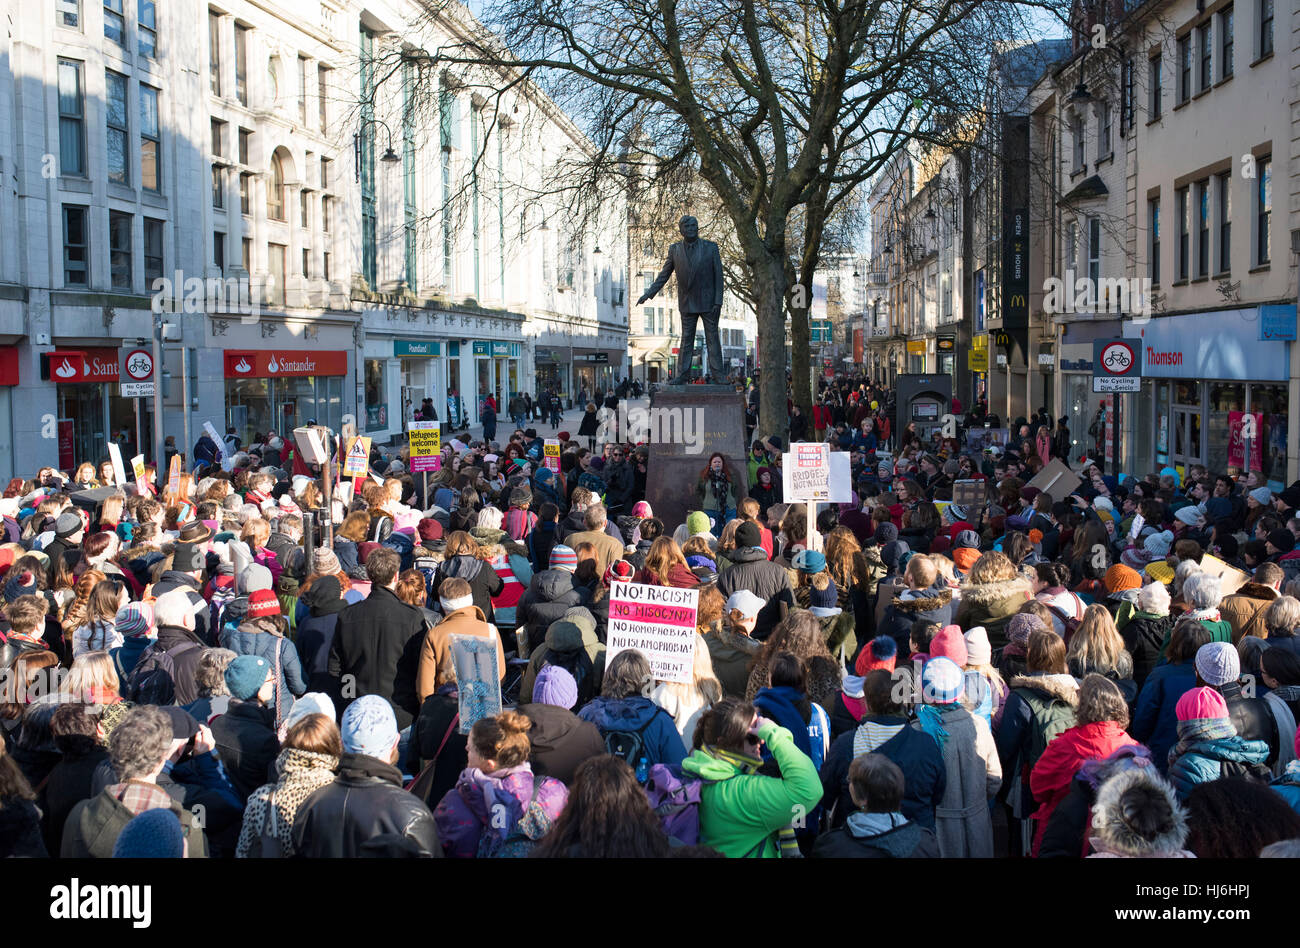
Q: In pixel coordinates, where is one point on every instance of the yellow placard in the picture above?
(977, 360)
(356, 462)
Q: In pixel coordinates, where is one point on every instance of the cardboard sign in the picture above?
(657, 621)
(356, 463)
(806, 473)
(1056, 479)
(220, 441)
(119, 469)
(1230, 578)
(475, 659)
(425, 440)
(137, 468)
(174, 474)
(969, 494)
(1134, 531)
(551, 454)
(184, 484)
(841, 481)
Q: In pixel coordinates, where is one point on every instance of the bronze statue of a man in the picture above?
(698, 266)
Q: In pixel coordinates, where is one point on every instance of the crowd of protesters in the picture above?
(1110, 672)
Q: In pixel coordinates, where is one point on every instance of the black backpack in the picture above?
(153, 679)
(629, 745)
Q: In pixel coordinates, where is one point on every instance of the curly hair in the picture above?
(140, 742)
(210, 674)
(628, 675)
(1100, 700)
(992, 567)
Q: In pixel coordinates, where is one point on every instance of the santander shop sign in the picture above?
(280, 363)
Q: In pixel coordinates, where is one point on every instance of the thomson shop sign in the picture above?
(1223, 344)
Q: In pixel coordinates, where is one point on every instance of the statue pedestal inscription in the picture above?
(689, 423)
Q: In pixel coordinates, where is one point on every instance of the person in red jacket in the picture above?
(1098, 732)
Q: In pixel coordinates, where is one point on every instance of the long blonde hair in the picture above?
(91, 674)
(1096, 645)
(704, 681)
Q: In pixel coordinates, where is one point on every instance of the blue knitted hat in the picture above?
(153, 834)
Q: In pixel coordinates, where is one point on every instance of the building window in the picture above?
(1071, 248)
(69, 14)
(1184, 234)
(218, 138)
(649, 320)
(241, 64)
(219, 251)
(1094, 251)
(214, 52)
(114, 22)
(1263, 210)
(1224, 211)
(1202, 195)
(275, 191)
(246, 254)
(306, 262)
(1184, 68)
(325, 266)
(322, 78)
(275, 261)
(119, 248)
(150, 170)
(302, 89)
(218, 171)
(1205, 45)
(115, 118)
(1126, 110)
(1077, 137)
(325, 174)
(1265, 28)
(1103, 132)
(245, 205)
(369, 220)
(1153, 253)
(245, 145)
(153, 251)
(1155, 80)
(72, 119)
(304, 200)
(1225, 42)
(146, 34)
(76, 246)
(325, 205)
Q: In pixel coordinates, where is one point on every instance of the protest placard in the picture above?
(119, 469)
(657, 621)
(551, 454)
(174, 475)
(806, 473)
(969, 494)
(137, 468)
(356, 463)
(1056, 479)
(1230, 578)
(477, 681)
(425, 441)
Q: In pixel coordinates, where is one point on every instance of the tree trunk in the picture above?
(803, 373)
(769, 299)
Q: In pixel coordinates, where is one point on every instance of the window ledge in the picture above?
(1262, 268)
(1205, 91)
(1200, 279)
(1182, 282)
(1107, 158)
(153, 199)
(80, 185)
(1074, 173)
(1182, 104)
(1155, 118)
(1224, 79)
(1262, 58)
(1223, 275)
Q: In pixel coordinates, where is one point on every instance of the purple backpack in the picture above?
(676, 801)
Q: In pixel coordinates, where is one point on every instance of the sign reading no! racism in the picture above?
(659, 622)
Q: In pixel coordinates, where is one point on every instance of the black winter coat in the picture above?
(484, 583)
(171, 638)
(752, 570)
(916, 753)
(70, 782)
(932, 605)
(908, 841)
(434, 729)
(247, 745)
(550, 594)
(363, 812)
(369, 642)
(1142, 638)
(175, 579)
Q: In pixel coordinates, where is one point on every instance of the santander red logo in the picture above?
(242, 366)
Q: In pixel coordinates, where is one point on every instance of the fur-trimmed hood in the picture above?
(1062, 687)
(989, 593)
(928, 601)
(1253, 590)
(1138, 793)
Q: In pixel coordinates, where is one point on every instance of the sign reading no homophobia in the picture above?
(806, 472)
(657, 621)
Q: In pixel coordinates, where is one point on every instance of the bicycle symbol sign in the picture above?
(1117, 365)
(1117, 358)
(139, 365)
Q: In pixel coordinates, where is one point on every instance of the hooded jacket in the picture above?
(662, 743)
(550, 594)
(1112, 833)
(484, 583)
(560, 741)
(1051, 777)
(1207, 760)
(560, 648)
(992, 605)
(1038, 708)
(364, 803)
(741, 811)
(316, 630)
(94, 825)
(731, 654)
(854, 841)
(260, 637)
(769, 581)
(916, 753)
(530, 802)
(1244, 610)
(1143, 635)
(912, 605)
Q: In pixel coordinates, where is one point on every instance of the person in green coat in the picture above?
(742, 813)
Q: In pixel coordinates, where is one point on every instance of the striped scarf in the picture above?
(787, 845)
(1198, 731)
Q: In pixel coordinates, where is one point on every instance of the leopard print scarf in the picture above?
(302, 773)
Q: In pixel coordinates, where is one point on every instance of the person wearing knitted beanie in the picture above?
(1208, 743)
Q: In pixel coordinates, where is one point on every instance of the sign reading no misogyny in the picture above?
(657, 621)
